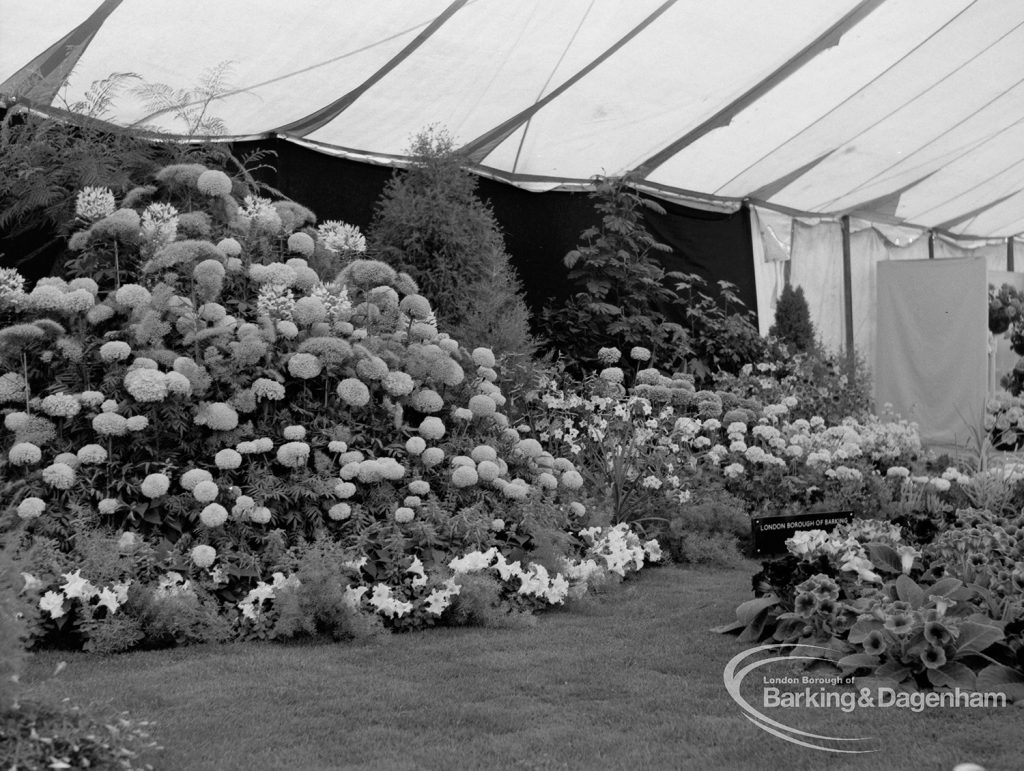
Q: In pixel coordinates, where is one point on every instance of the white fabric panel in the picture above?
(994, 254)
(285, 65)
(932, 359)
(770, 254)
(817, 266)
(22, 37)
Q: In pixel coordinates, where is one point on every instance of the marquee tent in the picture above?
(854, 131)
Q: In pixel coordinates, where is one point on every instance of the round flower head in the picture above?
(609, 355)
(577, 508)
(294, 433)
(287, 329)
(110, 424)
(229, 247)
(178, 384)
(12, 387)
(344, 489)
(639, 353)
(419, 487)
(214, 183)
(488, 471)
(31, 507)
(416, 306)
(354, 392)
(94, 203)
(61, 405)
(203, 556)
(146, 385)
(426, 400)
(24, 454)
(612, 375)
(403, 515)
(59, 476)
(293, 454)
(337, 236)
(301, 243)
(155, 485)
(464, 476)
(69, 458)
(137, 423)
(398, 384)
(91, 399)
(108, 505)
(132, 296)
(339, 512)
(415, 445)
(265, 388)
(217, 416)
(308, 311)
(482, 406)
(91, 453)
(194, 476)
(432, 456)
(304, 365)
(214, 515)
(483, 357)
(260, 515)
(432, 428)
(115, 350)
(205, 492)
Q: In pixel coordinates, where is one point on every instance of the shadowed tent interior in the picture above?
(794, 140)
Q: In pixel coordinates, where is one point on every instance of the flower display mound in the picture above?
(946, 614)
(199, 419)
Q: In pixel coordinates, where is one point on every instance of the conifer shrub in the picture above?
(431, 224)
(793, 325)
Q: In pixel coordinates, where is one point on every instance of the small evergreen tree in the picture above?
(793, 320)
(431, 224)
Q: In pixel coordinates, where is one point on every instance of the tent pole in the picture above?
(1009, 254)
(931, 244)
(851, 355)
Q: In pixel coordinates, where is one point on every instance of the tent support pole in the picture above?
(1009, 254)
(851, 355)
(931, 244)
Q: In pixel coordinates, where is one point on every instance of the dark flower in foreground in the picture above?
(874, 644)
(899, 623)
(805, 605)
(937, 633)
(933, 657)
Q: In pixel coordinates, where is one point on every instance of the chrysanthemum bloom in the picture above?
(287, 329)
(354, 392)
(516, 490)
(571, 480)
(482, 406)
(264, 388)
(547, 481)
(110, 424)
(372, 368)
(404, 515)
(24, 454)
(137, 423)
(260, 515)
(483, 357)
(203, 556)
(453, 373)
(115, 350)
(412, 501)
(531, 448)
(229, 247)
(426, 400)
(91, 453)
(31, 507)
(205, 492)
(155, 485)
(108, 505)
(217, 416)
(214, 515)
(214, 183)
(432, 456)
(293, 454)
(91, 399)
(308, 311)
(61, 405)
(94, 203)
(609, 355)
(419, 487)
(339, 512)
(487, 471)
(464, 476)
(336, 445)
(301, 243)
(68, 458)
(304, 366)
(612, 375)
(398, 384)
(132, 296)
(194, 476)
(146, 385)
(431, 428)
(344, 489)
(415, 445)
(639, 353)
(59, 476)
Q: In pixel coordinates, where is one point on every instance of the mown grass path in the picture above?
(632, 680)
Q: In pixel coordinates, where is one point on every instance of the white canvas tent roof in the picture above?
(895, 111)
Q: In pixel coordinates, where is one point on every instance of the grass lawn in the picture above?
(632, 680)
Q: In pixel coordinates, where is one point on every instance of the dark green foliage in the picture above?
(430, 224)
(708, 529)
(12, 630)
(626, 299)
(793, 320)
(479, 603)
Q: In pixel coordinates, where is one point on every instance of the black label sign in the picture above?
(770, 533)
